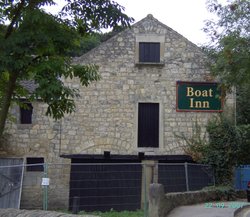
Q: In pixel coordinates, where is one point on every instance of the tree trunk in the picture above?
(10, 87)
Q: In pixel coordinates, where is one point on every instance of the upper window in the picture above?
(149, 52)
(26, 113)
(149, 49)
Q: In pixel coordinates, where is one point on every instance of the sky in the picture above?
(184, 16)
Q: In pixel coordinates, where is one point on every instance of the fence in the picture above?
(105, 186)
(10, 182)
(241, 177)
(181, 177)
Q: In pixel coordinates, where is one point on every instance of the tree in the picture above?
(92, 40)
(229, 53)
(36, 45)
(229, 50)
(243, 105)
(230, 47)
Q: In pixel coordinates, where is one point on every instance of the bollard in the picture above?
(156, 197)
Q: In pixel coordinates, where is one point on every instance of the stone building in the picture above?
(131, 110)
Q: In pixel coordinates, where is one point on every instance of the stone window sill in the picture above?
(149, 64)
(24, 126)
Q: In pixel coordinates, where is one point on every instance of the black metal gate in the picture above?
(105, 186)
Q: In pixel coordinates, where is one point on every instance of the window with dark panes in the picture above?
(35, 164)
(26, 113)
(149, 52)
(148, 125)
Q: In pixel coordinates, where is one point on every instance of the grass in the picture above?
(113, 213)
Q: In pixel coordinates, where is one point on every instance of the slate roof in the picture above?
(30, 85)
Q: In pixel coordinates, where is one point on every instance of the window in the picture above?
(149, 49)
(26, 113)
(149, 52)
(31, 164)
(148, 125)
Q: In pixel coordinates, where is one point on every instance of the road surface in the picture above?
(209, 209)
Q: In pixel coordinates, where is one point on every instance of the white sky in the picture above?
(184, 16)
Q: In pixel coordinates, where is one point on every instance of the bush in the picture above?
(227, 146)
(223, 192)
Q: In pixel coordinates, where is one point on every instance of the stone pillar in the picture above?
(156, 199)
(149, 175)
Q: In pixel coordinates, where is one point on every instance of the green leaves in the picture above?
(231, 60)
(227, 147)
(86, 74)
(35, 45)
(89, 15)
(52, 90)
(229, 50)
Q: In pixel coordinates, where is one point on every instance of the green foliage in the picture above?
(86, 44)
(243, 104)
(223, 144)
(244, 152)
(35, 45)
(230, 48)
(229, 53)
(223, 192)
(92, 40)
(227, 146)
(89, 16)
(194, 144)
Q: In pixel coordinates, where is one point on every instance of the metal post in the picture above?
(45, 188)
(145, 191)
(76, 205)
(186, 175)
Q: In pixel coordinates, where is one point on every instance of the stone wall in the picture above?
(106, 116)
(107, 111)
(58, 190)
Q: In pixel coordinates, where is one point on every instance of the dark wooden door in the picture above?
(148, 125)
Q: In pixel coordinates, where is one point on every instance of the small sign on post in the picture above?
(45, 181)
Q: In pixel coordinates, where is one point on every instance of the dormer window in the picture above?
(149, 52)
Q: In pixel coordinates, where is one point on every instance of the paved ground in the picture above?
(213, 209)
(35, 213)
(243, 212)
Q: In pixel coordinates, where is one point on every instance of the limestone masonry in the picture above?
(131, 109)
(106, 117)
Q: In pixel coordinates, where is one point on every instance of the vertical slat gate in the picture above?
(105, 186)
(10, 182)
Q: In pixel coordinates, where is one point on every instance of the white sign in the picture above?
(45, 181)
